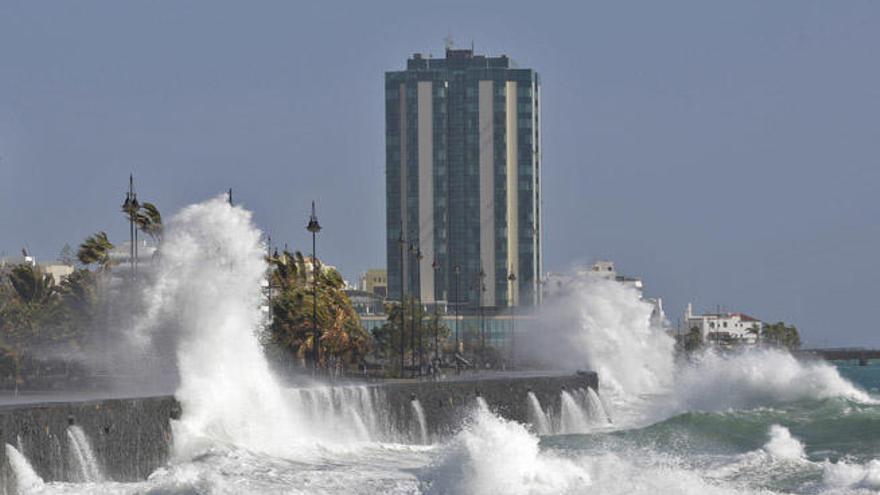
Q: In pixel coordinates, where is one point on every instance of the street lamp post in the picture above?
(402, 243)
(131, 206)
(481, 290)
(412, 306)
(419, 258)
(314, 227)
(457, 271)
(511, 279)
(436, 361)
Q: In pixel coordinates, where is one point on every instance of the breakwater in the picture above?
(127, 439)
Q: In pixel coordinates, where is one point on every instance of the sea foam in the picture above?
(846, 475)
(493, 455)
(782, 445)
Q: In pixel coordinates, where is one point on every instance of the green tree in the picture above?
(30, 306)
(387, 338)
(78, 296)
(31, 286)
(342, 338)
(96, 250)
(149, 221)
(780, 335)
(418, 324)
(693, 340)
(66, 255)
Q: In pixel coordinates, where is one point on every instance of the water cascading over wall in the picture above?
(129, 438)
(132, 437)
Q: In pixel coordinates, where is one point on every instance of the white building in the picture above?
(57, 270)
(724, 328)
(555, 284)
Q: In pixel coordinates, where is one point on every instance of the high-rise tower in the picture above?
(462, 147)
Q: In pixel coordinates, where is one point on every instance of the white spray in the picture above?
(572, 416)
(493, 455)
(83, 456)
(209, 282)
(752, 377)
(26, 479)
(604, 326)
(845, 475)
(420, 423)
(597, 407)
(537, 417)
(784, 446)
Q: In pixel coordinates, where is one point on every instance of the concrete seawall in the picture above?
(446, 403)
(132, 437)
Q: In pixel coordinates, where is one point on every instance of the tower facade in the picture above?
(463, 157)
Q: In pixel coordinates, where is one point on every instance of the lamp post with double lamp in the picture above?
(131, 206)
(314, 227)
(511, 279)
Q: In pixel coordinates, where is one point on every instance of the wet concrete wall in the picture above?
(446, 404)
(132, 437)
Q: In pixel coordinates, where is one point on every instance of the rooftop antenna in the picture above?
(447, 41)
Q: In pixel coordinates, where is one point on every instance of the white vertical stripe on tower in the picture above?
(512, 192)
(537, 166)
(426, 190)
(487, 190)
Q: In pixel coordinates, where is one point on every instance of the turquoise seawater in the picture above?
(745, 451)
(867, 377)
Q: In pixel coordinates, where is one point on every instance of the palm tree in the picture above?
(77, 292)
(31, 286)
(33, 306)
(96, 249)
(149, 221)
(754, 331)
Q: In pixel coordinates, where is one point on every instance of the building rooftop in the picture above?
(458, 59)
(742, 316)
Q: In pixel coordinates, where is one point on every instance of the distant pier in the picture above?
(862, 356)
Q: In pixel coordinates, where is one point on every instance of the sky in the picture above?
(725, 152)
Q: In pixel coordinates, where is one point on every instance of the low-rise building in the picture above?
(366, 303)
(375, 281)
(724, 328)
(57, 270)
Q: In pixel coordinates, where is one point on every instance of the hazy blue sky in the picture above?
(727, 152)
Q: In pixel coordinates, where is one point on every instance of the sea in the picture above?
(753, 421)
